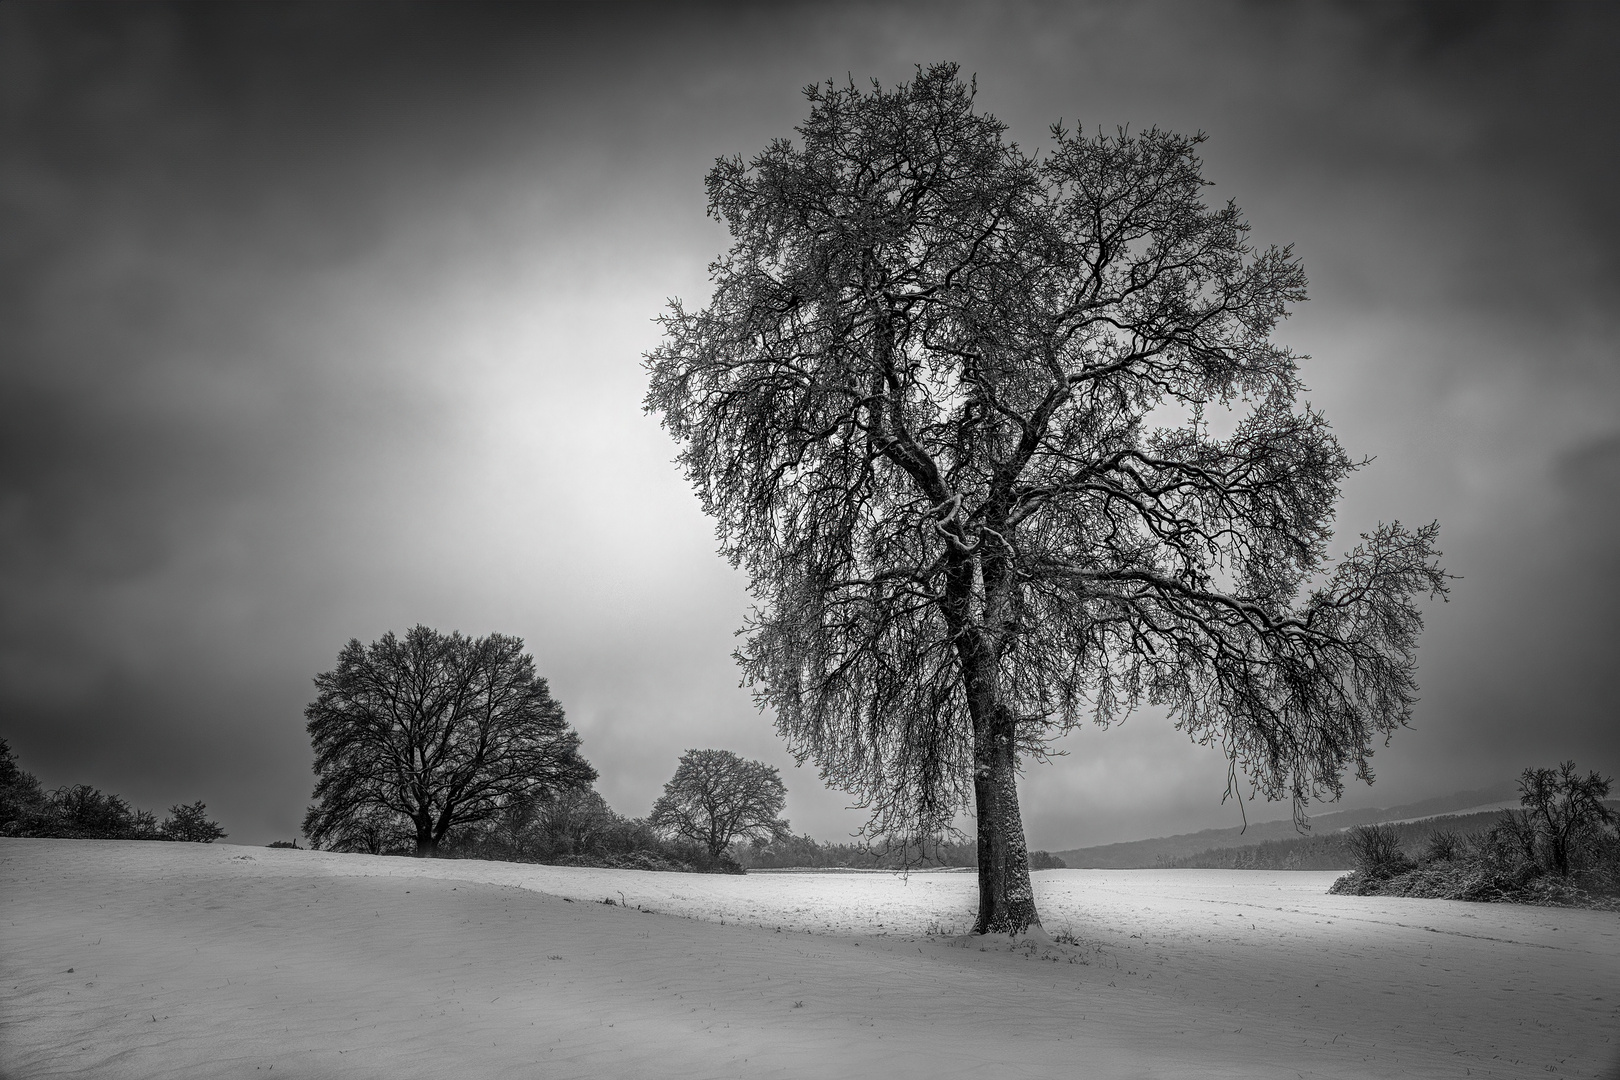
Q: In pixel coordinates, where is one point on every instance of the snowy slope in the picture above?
(221, 961)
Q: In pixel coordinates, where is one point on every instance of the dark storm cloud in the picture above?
(321, 320)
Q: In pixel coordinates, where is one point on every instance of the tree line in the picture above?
(1326, 851)
(82, 812)
(807, 852)
(441, 745)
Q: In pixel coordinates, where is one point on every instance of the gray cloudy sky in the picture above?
(318, 321)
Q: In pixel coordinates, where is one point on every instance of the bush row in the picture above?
(1560, 848)
(82, 812)
(572, 827)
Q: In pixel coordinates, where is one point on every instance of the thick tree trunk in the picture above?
(1006, 897)
(427, 843)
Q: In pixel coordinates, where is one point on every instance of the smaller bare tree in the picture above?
(716, 797)
(1563, 814)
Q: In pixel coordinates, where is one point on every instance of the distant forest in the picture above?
(1327, 851)
(796, 852)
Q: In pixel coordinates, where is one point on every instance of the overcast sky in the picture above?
(321, 321)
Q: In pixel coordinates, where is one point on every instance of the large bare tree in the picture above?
(1003, 441)
(437, 730)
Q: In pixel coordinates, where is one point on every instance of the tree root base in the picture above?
(1035, 935)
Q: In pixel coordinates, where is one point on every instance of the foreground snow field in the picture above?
(179, 960)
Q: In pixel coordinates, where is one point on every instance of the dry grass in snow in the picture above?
(176, 960)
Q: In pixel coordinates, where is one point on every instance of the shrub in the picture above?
(1045, 860)
(23, 806)
(190, 824)
(1377, 852)
(86, 813)
(1443, 846)
(1602, 872)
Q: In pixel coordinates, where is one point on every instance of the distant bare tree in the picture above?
(438, 730)
(954, 408)
(716, 797)
(1562, 813)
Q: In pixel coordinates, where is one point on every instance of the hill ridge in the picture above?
(1146, 853)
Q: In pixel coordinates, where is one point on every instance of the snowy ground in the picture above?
(179, 960)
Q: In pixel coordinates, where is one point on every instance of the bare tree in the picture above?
(716, 797)
(1563, 814)
(954, 408)
(441, 730)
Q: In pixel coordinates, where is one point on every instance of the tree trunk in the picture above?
(1006, 897)
(427, 844)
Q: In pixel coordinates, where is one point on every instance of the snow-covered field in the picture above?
(180, 960)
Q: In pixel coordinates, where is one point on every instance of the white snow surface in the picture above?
(183, 960)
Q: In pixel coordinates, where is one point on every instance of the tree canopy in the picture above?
(716, 797)
(439, 730)
(1004, 442)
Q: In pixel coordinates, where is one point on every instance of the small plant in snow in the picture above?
(1067, 936)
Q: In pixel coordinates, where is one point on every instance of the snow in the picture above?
(179, 960)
